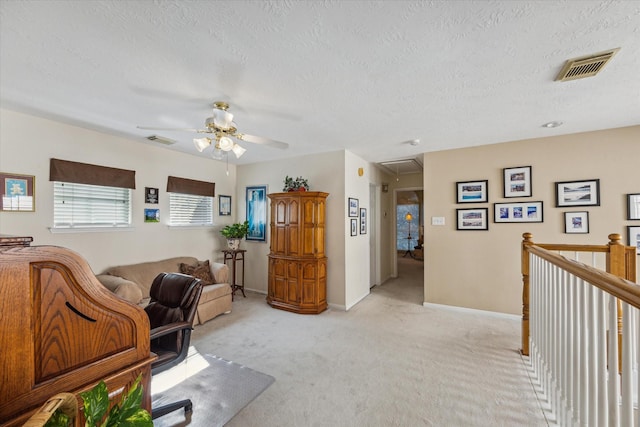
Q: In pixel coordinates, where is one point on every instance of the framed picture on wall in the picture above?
(576, 222)
(151, 195)
(517, 212)
(354, 227)
(472, 219)
(633, 235)
(517, 181)
(633, 206)
(224, 205)
(363, 220)
(17, 192)
(472, 191)
(353, 207)
(578, 193)
(256, 198)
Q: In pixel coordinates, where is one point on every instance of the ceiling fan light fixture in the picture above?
(223, 119)
(201, 143)
(225, 143)
(217, 153)
(238, 150)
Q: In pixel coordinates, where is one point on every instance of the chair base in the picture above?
(170, 407)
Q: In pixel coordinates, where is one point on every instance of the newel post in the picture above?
(526, 241)
(616, 265)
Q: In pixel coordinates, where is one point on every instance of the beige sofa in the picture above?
(132, 283)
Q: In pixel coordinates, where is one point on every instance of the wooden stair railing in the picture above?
(620, 262)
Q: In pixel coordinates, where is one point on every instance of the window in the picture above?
(81, 205)
(190, 209)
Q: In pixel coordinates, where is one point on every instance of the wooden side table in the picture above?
(235, 255)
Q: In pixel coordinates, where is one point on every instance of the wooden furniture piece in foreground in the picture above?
(235, 255)
(62, 331)
(297, 260)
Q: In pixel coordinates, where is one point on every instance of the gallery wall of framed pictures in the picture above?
(517, 183)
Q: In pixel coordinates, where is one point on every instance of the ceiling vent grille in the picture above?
(161, 140)
(585, 66)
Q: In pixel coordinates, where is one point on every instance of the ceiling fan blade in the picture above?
(261, 140)
(174, 129)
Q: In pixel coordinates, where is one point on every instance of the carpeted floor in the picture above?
(388, 361)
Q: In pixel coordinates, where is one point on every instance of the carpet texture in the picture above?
(218, 389)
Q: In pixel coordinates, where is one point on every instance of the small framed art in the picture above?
(17, 192)
(224, 205)
(517, 181)
(354, 226)
(517, 212)
(151, 195)
(472, 219)
(353, 207)
(152, 215)
(578, 193)
(363, 220)
(633, 234)
(633, 206)
(472, 191)
(576, 222)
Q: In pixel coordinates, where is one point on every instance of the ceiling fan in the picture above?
(222, 128)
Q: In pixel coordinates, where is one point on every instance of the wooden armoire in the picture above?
(62, 331)
(297, 259)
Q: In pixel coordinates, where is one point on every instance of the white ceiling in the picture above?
(367, 76)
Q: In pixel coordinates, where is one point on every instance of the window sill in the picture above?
(63, 230)
(182, 227)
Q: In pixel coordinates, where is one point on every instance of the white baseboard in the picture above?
(359, 299)
(472, 310)
(258, 291)
(337, 307)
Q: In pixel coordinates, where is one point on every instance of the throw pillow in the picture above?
(200, 271)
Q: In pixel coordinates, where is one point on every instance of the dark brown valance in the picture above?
(84, 173)
(190, 186)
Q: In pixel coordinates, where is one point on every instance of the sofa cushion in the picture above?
(201, 271)
(211, 292)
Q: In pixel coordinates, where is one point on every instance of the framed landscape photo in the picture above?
(633, 233)
(517, 212)
(353, 207)
(633, 206)
(363, 220)
(152, 215)
(472, 191)
(472, 219)
(576, 222)
(256, 197)
(17, 192)
(224, 205)
(517, 181)
(578, 193)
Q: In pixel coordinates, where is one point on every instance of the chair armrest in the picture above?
(161, 331)
(220, 272)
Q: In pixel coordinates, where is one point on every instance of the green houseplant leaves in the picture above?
(127, 413)
(236, 231)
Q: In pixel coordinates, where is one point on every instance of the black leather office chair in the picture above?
(174, 299)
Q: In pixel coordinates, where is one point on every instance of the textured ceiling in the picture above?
(367, 76)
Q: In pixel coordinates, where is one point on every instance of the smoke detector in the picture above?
(585, 66)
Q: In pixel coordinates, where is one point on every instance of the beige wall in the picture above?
(26, 145)
(481, 269)
(348, 257)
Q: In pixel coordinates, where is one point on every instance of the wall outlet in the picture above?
(437, 220)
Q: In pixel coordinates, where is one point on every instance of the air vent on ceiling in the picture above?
(161, 140)
(585, 66)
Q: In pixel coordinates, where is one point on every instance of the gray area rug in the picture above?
(218, 388)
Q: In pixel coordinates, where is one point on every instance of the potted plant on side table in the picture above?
(235, 233)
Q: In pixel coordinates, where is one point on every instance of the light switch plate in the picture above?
(437, 220)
